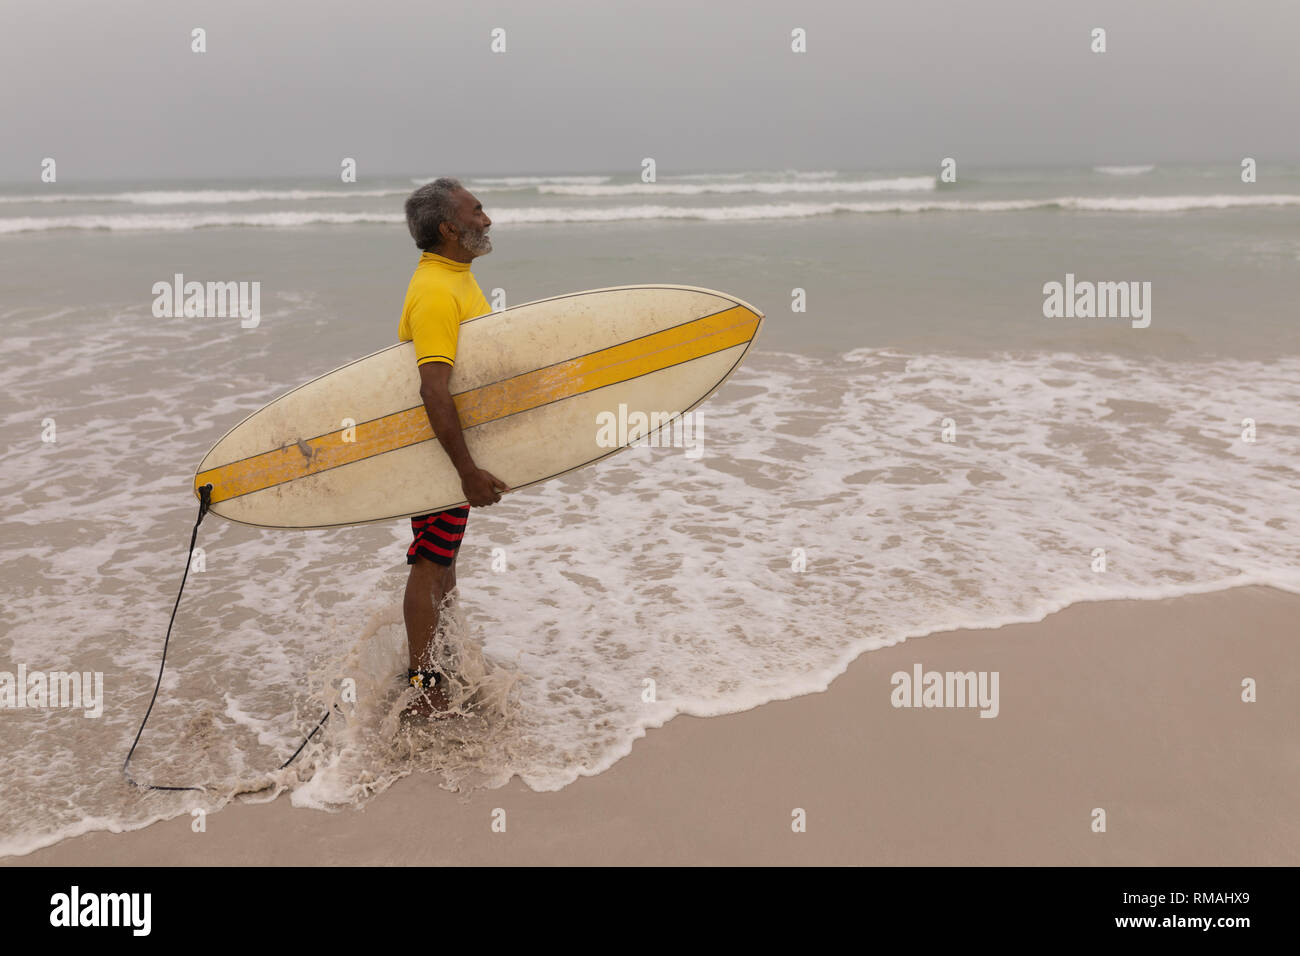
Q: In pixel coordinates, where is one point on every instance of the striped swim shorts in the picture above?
(437, 536)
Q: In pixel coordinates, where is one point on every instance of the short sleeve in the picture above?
(435, 327)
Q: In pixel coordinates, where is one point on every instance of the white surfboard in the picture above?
(355, 446)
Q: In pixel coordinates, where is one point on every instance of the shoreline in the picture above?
(1131, 706)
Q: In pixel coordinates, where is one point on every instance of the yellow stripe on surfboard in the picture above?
(618, 363)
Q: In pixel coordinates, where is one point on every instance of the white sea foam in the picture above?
(896, 185)
(757, 174)
(524, 182)
(905, 206)
(1123, 170)
(182, 221)
(737, 213)
(650, 565)
(202, 197)
(1175, 203)
(706, 177)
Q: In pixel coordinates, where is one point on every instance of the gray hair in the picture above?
(429, 207)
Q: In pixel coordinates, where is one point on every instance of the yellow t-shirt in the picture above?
(442, 295)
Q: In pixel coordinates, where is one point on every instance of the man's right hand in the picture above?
(482, 488)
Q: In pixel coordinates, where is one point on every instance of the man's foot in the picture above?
(432, 704)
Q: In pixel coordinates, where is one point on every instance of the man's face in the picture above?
(472, 224)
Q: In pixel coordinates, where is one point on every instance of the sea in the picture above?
(917, 442)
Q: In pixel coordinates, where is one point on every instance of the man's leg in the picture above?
(432, 557)
(425, 587)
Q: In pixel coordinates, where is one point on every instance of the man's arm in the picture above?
(481, 487)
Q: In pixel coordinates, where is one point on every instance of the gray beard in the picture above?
(475, 241)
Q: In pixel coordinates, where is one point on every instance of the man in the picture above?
(449, 226)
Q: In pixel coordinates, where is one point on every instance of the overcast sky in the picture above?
(289, 88)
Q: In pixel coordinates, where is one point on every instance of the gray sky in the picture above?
(288, 88)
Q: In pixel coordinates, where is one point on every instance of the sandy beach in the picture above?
(1133, 707)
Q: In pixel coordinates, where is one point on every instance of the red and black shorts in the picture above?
(437, 536)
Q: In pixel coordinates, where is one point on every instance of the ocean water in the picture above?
(922, 320)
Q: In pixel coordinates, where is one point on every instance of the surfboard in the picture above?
(531, 385)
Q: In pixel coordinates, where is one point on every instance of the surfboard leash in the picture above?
(205, 502)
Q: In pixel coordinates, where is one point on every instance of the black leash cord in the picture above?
(205, 502)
